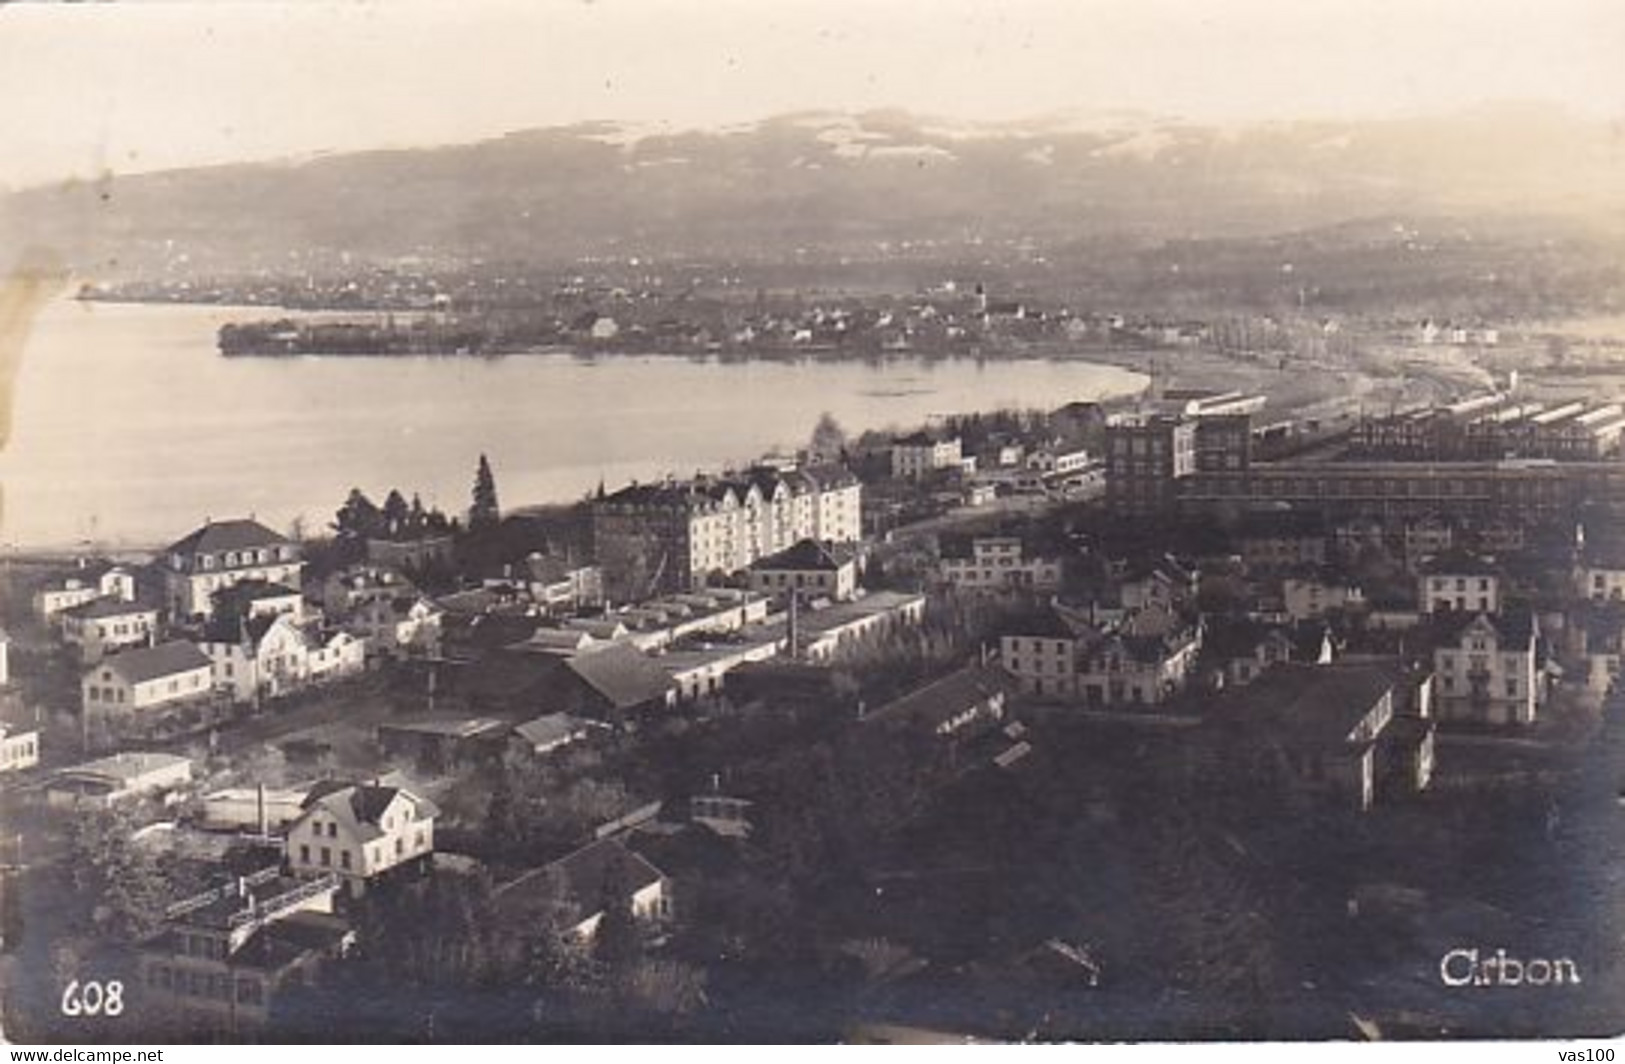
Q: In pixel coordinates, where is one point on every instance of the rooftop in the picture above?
(235, 534)
(808, 555)
(142, 664)
(1309, 705)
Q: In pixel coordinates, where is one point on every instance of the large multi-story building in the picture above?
(920, 455)
(997, 563)
(673, 536)
(1146, 458)
(1459, 581)
(223, 957)
(222, 554)
(1488, 669)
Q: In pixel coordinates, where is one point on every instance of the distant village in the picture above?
(641, 760)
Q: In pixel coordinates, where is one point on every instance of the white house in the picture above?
(998, 563)
(272, 654)
(108, 624)
(111, 780)
(808, 567)
(919, 455)
(221, 554)
(1308, 598)
(403, 624)
(360, 831)
(147, 677)
(85, 585)
(572, 889)
(1488, 670)
(1459, 581)
(18, 749)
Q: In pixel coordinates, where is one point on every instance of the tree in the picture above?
(119, 882)
(828, 440)
(396, 514)
(617, 943)
(358, 517)
(485, 511)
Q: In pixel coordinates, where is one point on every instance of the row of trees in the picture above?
(399, 519)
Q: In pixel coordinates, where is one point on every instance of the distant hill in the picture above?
(827, 183)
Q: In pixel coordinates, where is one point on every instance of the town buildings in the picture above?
(147, 678)
(963, 702)
(1142, 660)
(1320, 731)
(922, 454)
(360, 831)
(108, 624)
(19, 749)
(1489, 670)
(221, 554)
(675, 536)
(1459, 581)
(118, 778)
(1147, 455)
(224, 956)
(996, 563)
(808, 568)
(573, 891)
(86, 584)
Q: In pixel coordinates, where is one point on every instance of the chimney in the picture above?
(794, 631)
(261, 818)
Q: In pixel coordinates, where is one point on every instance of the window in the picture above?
(344, 859)
(333, 829)
(327, 857)
(400, 847)
(304, 854)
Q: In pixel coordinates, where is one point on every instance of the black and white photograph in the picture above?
(812, 522)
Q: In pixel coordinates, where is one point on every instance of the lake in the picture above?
(128, 428)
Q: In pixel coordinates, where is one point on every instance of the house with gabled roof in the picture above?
(1488, 669)
(107, 624)
(1316, 729)
(807, 567)
(223, 957)
(360, 831)
(223, 553)
(145, 678)
(966, 700)
(571, 892)
(89, 582)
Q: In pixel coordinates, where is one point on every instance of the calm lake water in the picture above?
(128, 428)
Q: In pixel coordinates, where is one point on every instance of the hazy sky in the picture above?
(144, 85)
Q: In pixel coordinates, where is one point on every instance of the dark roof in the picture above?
(244, 592)
(579, 877)
(1278, 523)
(151, 663)
(915, 439)
(1514, 627)
(943, 699)
(1040, 624)
(1458, 563)
(366, 801)
(550, 729)
(622, 674)
(107, 607)
(216, 536)
(1308, 705)
(234, 628)
(809, 555)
